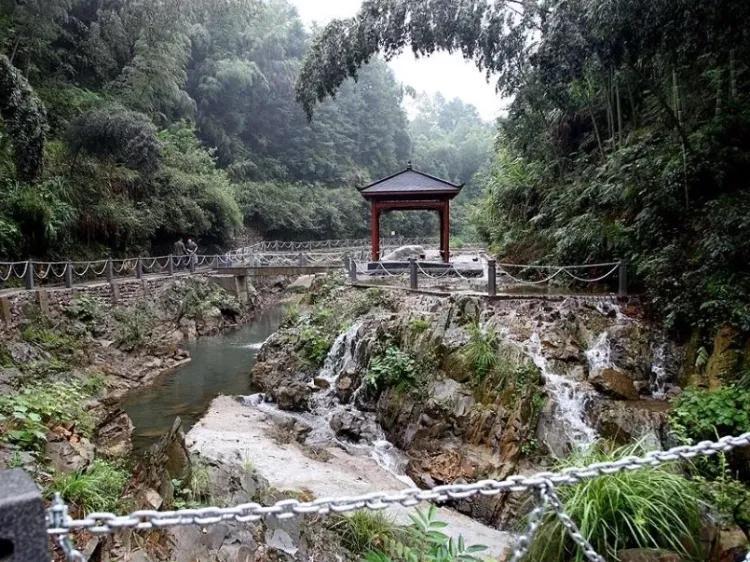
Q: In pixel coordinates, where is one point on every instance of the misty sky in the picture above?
(449, 74)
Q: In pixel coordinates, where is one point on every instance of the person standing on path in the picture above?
(179, 252)
(192, 250)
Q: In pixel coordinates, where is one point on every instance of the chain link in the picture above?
(60, 524)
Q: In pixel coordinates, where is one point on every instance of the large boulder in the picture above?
(615, 383)
(403, 253)
(113, 436)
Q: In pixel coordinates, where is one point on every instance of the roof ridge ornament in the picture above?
(408, 165)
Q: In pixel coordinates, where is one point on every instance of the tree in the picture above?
(25, 120)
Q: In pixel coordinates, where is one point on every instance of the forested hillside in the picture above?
(128, 123)
(628, 136)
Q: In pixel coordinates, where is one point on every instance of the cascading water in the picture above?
(341, 358)
(599, 355)
(568, 395)
(659, 374)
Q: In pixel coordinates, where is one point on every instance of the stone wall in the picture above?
(52, 300)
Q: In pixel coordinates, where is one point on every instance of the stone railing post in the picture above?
(138, 268)
(23, 522)
(69, 275)
(170, 265)
(352, 270)
(29, 275)
(491, 278)
(301, 260)
(193, 258)
(413, 283)
(110, 270)
(622, 285)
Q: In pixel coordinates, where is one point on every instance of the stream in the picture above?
(220, 365)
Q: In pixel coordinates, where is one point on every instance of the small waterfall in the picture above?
(659, 375)
(341, 355)
(599, 355)
(568, 395)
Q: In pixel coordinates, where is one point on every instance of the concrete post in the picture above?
(301, 260)
(491, 278)
(352, 270)
(29, 276)
(23, 524)
(138, 268)
(413, 283)
(110, 270)
(170, 265)
(192, 259)
(622, 285)
(69, 275)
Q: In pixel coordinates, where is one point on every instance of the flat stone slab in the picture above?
(233, 433)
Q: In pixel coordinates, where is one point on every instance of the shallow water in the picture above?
(220, 365)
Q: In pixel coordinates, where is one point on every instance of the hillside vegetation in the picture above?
(126, 124)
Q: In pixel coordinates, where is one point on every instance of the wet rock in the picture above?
(301, 284)
(14, 458)
(648, 555)
(68, 453)
(294, 396)
(626, 422)
(344, 388)
(321, 383)
(22, 352)
(731, 545)
(615, 383)
(113, 436)
(353, 425)
(188, 328)
(154, 363)
(9, 376)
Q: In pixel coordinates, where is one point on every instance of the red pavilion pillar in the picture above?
(375, 231)
(445, 231)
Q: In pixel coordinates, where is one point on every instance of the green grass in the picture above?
(96, 488)
(363, 531)
(480, 353)
(646, 508)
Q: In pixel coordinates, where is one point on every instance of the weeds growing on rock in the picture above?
(425, 541)
(481, 351)
(134, 327)
(26, 415)
(86, 309)
(99, 487)
(647, 508)
(363, 532)
(394, 368)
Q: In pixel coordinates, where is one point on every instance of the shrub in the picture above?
(419, 325)
(49, 339)
(96, 488)
(86, 309)
(394, 368)
(134, 327)
(424, 541)
(314, 344)
(646, 508)
(26, 415)
(701, 414)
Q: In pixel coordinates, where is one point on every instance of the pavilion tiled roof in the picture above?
(410, 181)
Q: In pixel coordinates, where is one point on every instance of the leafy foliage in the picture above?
(26, 415)
(647, 508)
(134, 327)
(425, 541)
(481, 351)
(708, 414)
(363, 532)
(394, 368)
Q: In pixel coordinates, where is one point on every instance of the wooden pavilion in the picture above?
(410, 190)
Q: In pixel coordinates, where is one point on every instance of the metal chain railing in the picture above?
(60, 524)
